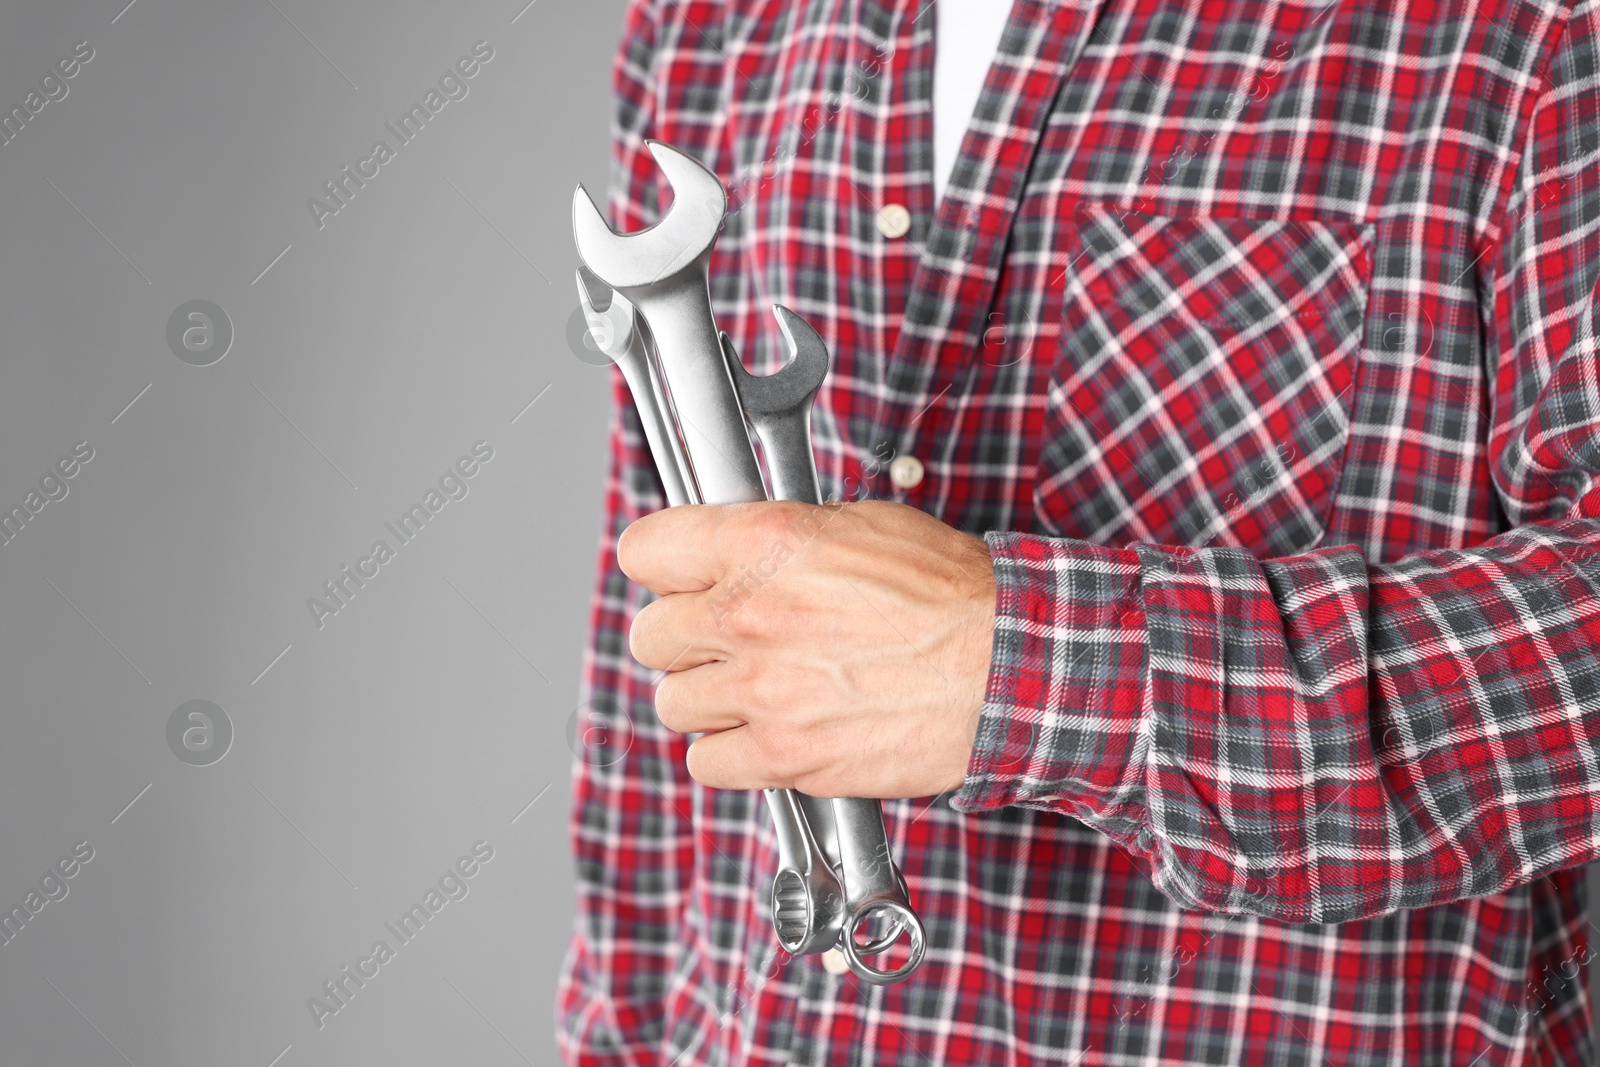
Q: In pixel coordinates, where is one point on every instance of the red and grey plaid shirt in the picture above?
(1259, 338)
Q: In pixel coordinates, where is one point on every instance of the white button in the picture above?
(894, 220)
(906, 471)
(833, 962)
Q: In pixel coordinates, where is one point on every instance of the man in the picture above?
(1214, 588)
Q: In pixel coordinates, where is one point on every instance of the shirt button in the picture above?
(833, 962)
(894, 220)
(906, 472)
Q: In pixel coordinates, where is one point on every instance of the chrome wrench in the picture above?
(778, 405)
(807, 900)
(662, 269)
(615, 326)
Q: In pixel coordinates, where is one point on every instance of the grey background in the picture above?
(427, 714)
(431, 712)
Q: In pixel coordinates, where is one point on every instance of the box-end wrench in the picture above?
(778, 405)
(663, 269)
(807, 900)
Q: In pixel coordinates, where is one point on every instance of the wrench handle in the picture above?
(678, 310)
(667, 448)
(807, 900)
(677, 479)
(790, 461)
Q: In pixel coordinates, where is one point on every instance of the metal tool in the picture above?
(807, 899)
(663, 271)
(808, 902)
(778, 405)
(874, 887)
(615, 326)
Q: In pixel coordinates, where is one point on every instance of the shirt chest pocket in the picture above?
(1202, 391)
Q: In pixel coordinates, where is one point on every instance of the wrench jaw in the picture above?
(612, 321)
(682, 236)
(792, 388)
(663, 271)
(778, 405)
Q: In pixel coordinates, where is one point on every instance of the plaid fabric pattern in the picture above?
(1259, 339)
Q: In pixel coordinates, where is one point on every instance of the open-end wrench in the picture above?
(778, 405)
(662, 269)
(616, 328)
(807, 900)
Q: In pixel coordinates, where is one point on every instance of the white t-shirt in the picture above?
(966, 37)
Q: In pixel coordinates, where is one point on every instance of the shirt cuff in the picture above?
(1062, 720)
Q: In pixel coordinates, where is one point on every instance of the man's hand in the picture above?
(841, 649)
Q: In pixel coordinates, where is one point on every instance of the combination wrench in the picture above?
(778, 406)
(807, 900)
(617, 331)
(663, 270)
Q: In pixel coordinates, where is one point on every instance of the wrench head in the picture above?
(796, 382)
(686, 232)
(612, 317)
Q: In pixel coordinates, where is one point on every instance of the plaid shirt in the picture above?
(1258, 337)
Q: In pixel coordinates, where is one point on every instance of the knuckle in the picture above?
(765, 693)
(757, 697)
(778, 755)
(769, 523)
(752, 618)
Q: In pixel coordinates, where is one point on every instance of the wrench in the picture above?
(614, 324)
(807, 900)
(663, 270)
(779, 407)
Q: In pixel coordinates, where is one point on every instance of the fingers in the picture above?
(676, 633)
(728, 760)
(674, 550)
(690, 548)
(697, 701)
